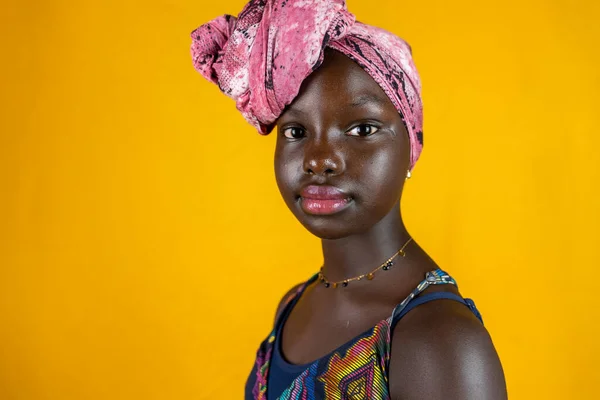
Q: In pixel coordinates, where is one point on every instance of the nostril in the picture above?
(329, 171)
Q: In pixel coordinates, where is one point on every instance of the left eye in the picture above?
(363, 130)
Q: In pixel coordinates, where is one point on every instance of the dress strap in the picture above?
(437, 277)
(291, 300)
(426, 298)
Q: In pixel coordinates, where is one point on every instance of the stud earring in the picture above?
(408, 174)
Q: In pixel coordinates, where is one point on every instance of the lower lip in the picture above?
(323, 207)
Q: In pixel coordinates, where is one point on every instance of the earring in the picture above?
(408, 174)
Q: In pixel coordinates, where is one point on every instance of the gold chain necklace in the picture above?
(385, 266)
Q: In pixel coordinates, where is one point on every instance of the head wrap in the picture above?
(261, 58)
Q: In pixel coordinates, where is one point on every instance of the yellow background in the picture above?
(143, 243)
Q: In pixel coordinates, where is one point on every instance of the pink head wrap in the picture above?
(261, 58)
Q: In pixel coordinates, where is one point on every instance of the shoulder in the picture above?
(287, 297)
(440, 350)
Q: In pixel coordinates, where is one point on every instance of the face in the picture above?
(342, 151)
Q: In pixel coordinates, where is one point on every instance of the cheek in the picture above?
(382, 177)
(287, 168)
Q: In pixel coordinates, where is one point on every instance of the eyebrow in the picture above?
(357, 102)
(292, 110)
(367, 98)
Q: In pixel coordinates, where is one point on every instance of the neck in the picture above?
(359, 254)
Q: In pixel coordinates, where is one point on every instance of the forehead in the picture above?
(339, 81)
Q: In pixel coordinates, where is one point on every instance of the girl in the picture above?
(380, 320)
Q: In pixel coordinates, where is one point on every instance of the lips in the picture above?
(323, 200)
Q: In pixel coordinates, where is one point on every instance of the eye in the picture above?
(294, 132)
(363, 130)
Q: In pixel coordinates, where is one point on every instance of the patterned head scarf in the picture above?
(261, 58)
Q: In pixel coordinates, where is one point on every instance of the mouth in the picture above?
(323, 200)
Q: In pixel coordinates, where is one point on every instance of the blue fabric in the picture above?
(427, 297)
(282, 373)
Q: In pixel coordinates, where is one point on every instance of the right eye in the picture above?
(293, 132)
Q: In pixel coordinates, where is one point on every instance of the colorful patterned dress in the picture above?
(355, 370)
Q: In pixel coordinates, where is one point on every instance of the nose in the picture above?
(320, 158)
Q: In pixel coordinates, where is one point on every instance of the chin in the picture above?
(334, 226)
(327, 229)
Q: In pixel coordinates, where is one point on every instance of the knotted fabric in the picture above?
(261, 58)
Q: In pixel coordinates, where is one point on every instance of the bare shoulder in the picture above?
(440, 350)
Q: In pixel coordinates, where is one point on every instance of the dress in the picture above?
(356, 370)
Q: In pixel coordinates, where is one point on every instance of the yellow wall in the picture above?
(143, 243)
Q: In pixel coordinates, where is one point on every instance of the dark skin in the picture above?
(342, 130)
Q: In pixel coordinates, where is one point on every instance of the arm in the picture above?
(441, 351)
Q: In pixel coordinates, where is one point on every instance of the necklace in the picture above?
(385, 266)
